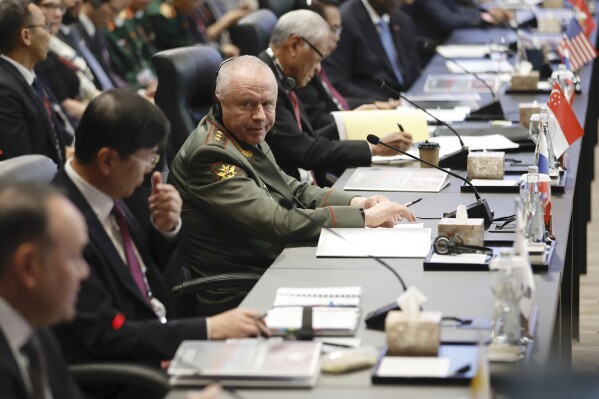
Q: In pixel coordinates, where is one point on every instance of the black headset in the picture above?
(444, 245)
(287, 82)
(217, 108)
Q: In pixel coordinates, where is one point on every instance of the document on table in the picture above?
(465, 50)
(479, 66)
(318, 296)
(475, 259)
(357, 125)
(386, 243)
(454, 83)
(451, 144)
(397, 179)
(493, 183)
(406, 366)
(331, 320)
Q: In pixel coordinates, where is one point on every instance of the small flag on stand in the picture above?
(576, 45)
(589, 24)
(543, 165)
(567, 129)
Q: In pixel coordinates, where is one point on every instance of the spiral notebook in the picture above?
(322, 296)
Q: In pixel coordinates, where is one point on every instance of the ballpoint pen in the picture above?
(413, 202)
(400, 127)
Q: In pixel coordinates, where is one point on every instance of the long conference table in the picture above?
(461, 294)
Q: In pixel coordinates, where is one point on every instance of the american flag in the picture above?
(577, 46)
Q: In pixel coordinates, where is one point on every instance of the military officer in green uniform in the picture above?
(130, 38)
(180, 23)
(231, 186)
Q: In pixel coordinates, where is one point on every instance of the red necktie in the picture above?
(335, 95)
(132, 260)
(296, 109)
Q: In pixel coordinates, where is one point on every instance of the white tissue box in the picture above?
(485, 165)
(471, 231)
(413, 337)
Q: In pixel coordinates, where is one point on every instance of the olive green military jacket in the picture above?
(232, 219)
(130, 41)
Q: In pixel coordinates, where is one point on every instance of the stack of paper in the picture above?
(397, 179)
(248, 363)
(357, 125)
(321, 296)
(384, 243)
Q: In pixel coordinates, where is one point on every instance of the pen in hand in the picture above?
(400, 127)
(413, 202)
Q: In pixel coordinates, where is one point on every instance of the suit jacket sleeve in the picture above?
(14, 133)
(106, 333)
(447, 15)
(61, 381)
(241, 203)
(323, 150)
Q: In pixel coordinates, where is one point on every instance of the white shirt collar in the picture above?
(66, 29)
(374, 16)
(87, 24)
(100, 203)
(14, 327)
(28, 75)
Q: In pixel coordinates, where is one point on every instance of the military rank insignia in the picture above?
(223, 171)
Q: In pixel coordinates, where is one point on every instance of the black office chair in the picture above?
(252, 33)
(27, 169)
(279, 7)
(125, 380)
(186, 83)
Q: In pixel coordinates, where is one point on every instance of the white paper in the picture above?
(405, 366)
(386, 243)
(464, 50)
(323, 318)
(493, 183)
(475, 143)
(322, 296)
(479, 66)
(475, 259)
(397, 179)
(447, 115)
(436, 97)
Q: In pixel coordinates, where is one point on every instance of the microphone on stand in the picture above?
(375, 319)
(479, 209)
(490, 111)
(457, 159)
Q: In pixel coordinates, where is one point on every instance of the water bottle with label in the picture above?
(534, 223)
(506, 328)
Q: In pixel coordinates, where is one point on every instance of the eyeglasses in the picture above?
(54, 7)
(151, 161)
(336, 30)
(47, 26)
(316, 50)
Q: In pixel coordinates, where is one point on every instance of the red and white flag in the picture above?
(577, 46)
(567, 129)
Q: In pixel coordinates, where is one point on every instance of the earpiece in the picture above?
(217, 108)
(287, 82)
(97, 3)
(444, 245)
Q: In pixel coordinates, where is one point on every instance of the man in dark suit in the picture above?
(298, 44)
(320, 97)
(123, 308)
(41, 267)
(377, 41)
(436, 19)
(95, 16)
(30, 122)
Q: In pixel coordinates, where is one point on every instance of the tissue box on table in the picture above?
(413, 336)
(470, 231)
(485, 165)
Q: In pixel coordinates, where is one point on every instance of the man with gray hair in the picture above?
(231, 186)
(299, 42)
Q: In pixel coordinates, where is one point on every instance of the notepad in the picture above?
(321, 296)
(326, 321)
(357, 125)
